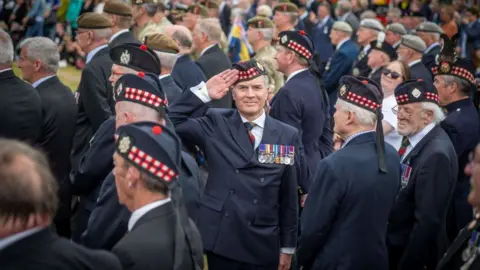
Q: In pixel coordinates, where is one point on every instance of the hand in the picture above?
(312, 17)
(303, 198)
(220, 84)
(285, 261)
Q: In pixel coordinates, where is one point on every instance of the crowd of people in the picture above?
(240, 135)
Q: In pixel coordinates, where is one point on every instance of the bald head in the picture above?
(181, 35)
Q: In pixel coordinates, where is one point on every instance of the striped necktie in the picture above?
(249, 126)
(403, 146)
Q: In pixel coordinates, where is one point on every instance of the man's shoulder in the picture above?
(283, 128)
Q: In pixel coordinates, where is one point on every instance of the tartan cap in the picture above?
(161, 43)
(381, 45)
(447, 62)
(135, 56)
(285, 7)
(198, 9)
(413, 91)
(142, 89)
(249, 70)
(299, 42)
(93, 20)
(260, 22)
(117, 7)
(151, 148)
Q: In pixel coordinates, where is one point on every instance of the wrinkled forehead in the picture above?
(257, 82)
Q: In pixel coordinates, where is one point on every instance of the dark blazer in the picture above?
(245, 203)
(212, 62)
(339, 228)
(186, 73)
(376, 75)
(44, 250)
(416, 234)
(225, 20)
(360, 66)
(462, 125)
(59, 114)
(94, 102)
(125, 37)
(420, 71)
(303, 104)
(153, 241)
(321, 40)
(339, 64)
(428, 59)
(21, 109)
(171, 89)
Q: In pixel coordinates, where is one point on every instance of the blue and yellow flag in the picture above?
(238, 47)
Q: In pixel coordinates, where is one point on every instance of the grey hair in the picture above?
(435, 36)
(266, 81)
(267, 33)
(151, 183)
(438, 114)
(184, 38)
(462, 84)
(168, 60)
(142, 113)
(365, 118)
(211, 27)
(368, 14)
(44, 50)
(6, 48)
(302, 61)
(99, 34)
(150, 8)
(344, 5)
(395, 12)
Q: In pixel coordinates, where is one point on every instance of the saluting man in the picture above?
(455, 82)
(344, 221)
(248, 217)
(303, 102)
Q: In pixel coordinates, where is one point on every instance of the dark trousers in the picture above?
(217, 262)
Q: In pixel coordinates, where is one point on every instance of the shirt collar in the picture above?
(325, 20)
(295, 73)
(366, 48)
(140, 212)
(427, 50)
(206, 49)
(260, 121)
(38, 82)
(397, 44)
(114, 36)
(3, 70)
(349, 139)
(304, 15)
(344, 17)
(414, 62)
(9, 240)
(91, 54)
(342, 42)
(415, 139)
(163, 76)
(222, 5)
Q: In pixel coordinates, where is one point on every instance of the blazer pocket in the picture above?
(212, 202)
(265, 219)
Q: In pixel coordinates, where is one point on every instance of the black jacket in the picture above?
(125, 37)
(186, 73)
(171, 89)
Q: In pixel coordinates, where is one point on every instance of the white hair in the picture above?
(6, 48)
(44, 50)
(211, 27)
(267, 33)
(344, 6)
(142, 113)
(168, 60)
(99, 34)
(264, 10)
(365, 117)
(438, 114)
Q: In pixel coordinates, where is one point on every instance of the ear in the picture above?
(129, 117)
(350, 117)
(37, 65)
(132, 176)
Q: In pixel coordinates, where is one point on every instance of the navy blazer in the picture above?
(462, 125)
(248, 210)
(322, 42)
(344, 221)
(339, 64)
(417, 220)
(303, 104)
(186, 73)
(171, 89)
(420, 71)
(428, 59)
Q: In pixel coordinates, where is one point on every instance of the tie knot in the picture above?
(405, 141)
(248, 125)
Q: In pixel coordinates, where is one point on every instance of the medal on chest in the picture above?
(470, 253)
(275, 153)
(327, 66)
(405, 176)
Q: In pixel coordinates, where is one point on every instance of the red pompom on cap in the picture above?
(420, 80)
(157, 130)
(301, 32)
(141, 74)
(365, 82)
(143, 47)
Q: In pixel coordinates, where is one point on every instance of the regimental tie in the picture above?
(249, 126)
(403, 146)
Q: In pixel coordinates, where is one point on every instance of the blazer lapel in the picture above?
(421, 144)
(153, 214)
(240, 135)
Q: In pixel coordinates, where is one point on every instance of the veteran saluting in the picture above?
(248, 217)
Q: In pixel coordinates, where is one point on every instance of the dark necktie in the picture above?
(403, 146)
(249, 126)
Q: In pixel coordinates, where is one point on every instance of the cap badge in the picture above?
(260, 24)
(356, 72)
(343, 90)
(124, 145)
(260, 66)
(445, 67)
(125, 58)
(416, 93)
(119, 89)
(284, 7)
(284, 39)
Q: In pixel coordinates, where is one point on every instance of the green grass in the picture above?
(70, 76)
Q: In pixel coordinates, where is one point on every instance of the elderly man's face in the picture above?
(250, 96)
(340, 118)
(412, 118)
(28, 67)
(375, 58)
(403, 53)
(280, 18)
(364, 35)
(444, 89)
(83, 38)
(123, 182)
(392, 38)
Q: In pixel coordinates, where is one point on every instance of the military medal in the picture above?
(268, 154)
(277, 154)
(262, 158)
(282, 154)
(287, 155)
(291, 155)
(470, 253)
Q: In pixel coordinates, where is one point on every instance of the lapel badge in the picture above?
(124, 144)
(356, 72)
(445, 67)
(343, 90)
(119, 89)
(284, 39)
(125, 57)
(416, 93)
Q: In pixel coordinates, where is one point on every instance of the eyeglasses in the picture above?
(393, 74)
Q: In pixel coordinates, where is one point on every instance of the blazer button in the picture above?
(255, 201)
(262, 179)
(227, 214)
(236, 171)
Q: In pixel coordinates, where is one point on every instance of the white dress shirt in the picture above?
(38, 82)
(349, 139)
(117, 34)
(414, 62)
(427, 50)
(3, 70)
(393, 138)
(9, 240)
(415, 139)
(257, 129)
(163, 76)
(295, 73)
(341, 43)
(140, 212)
(91, 54)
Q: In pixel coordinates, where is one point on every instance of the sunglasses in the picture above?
(393, 74)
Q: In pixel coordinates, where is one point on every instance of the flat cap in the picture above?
(210, 4)
(198, 10)
(141, 2)
(343, 27)
(285, 7)
(260, 22)
(381, 45)
(249, 70)
(117, 7)
(429, 27)
(413, 91)
(93, 20)
(161, 43)
(397, 28)
(135, 56)
(373, 24)
(414, 43)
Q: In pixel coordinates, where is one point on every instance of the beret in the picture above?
(135, 56)
(260, 22)
(413, 91)
(161, 43)
(381, 45)
(249, 70)
(210, 4)
(299, 42)
(285, 7)
(373, 24)
(397, 28)
(93, 20)
(198, 10)
(414, 43)
(117, 7)
(429, 27)
(343, 27)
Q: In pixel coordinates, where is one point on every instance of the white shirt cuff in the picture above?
(287, 250)
(201, 92)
